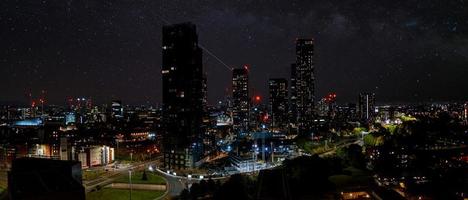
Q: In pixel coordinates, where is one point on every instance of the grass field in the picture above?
(354, 177)
(120, 194)
(137, 178)
(92, 174)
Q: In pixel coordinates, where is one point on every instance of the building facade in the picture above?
(240, 99)
(366, 106)
(293, 96)
(278, 102)
(182, 77)
(305, 84)
(117, 111)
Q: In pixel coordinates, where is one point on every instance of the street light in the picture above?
(130, 182)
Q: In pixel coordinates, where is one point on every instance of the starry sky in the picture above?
(403, 50)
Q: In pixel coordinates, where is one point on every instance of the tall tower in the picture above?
(293, 96)
(366, 106)
(305, 83)
(465, 113)
(240, 98)
(278, 102)
(182, 78)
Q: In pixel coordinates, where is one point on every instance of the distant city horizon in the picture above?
(379, 102)
(220, 100)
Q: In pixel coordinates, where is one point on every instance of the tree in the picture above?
(144, 176)
(195, 191)
(235, 188)
(184, 195)
(311, 170)
(211, 185)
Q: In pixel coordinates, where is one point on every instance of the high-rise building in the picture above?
(182, 77)
(322, 107)
(465, 113)
(326, 107)
(347, 112)
(117, 109)
(305, 85)
(293, 96)
(241, 100)
(278, 102)
(366, 106)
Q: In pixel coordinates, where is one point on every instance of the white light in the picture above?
(201, 177)
(175, 174)
(189, 176)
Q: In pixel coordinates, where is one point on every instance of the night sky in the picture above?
(404, 51)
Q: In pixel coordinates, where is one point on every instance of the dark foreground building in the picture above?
(182, 79)
(45, 179)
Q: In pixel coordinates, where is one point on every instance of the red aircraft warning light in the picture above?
(246, 67)
(330, 98)
(258, 98)
(265, 117)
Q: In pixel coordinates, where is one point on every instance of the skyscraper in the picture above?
(278, 102)
(240, 97)
(305, 83)
(182, 77)
(366, 106)
(293, 96)
(465, 113)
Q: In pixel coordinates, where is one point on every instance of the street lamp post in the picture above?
(130, 182)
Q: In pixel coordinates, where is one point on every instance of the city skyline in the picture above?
(220, 100)
(104, 56)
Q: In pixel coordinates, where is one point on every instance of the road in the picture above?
(333, 151)
(175, 185)
(108, 177)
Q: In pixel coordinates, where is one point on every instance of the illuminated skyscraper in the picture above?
(366, 106)
(240, 97)
(278, 102)
(305, 83)
(293, 96)
(182, 77)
